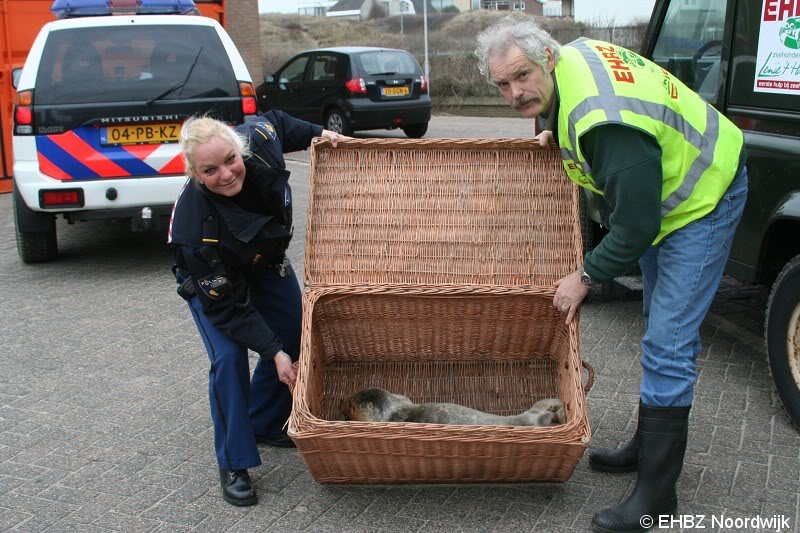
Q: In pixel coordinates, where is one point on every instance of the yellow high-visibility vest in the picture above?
(602, 83)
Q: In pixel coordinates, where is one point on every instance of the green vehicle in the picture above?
(742, 56)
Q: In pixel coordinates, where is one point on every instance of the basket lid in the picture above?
(440, 211)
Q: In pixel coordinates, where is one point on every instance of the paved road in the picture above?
(104, 421)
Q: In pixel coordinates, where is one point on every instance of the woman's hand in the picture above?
(570, 293)
(287, 371)
(334, 137)
(544, 138)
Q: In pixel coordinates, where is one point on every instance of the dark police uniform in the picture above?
(230, 261)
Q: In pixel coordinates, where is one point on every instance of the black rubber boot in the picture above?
(663, 434)
(237, 488)
(624, 459)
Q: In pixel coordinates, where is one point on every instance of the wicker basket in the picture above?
(429, 266)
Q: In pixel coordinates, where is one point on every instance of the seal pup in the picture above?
(379, 405)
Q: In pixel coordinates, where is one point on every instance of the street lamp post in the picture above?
(425, 33)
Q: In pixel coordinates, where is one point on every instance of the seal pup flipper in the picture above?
(554, 407)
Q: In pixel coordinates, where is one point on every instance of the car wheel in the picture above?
(782, 336)
(336, 121)
(34, 246)
(415, 131)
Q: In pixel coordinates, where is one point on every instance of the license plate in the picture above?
(394, 91)
(140, 134)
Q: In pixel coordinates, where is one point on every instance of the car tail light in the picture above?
(423, 85)
(248, 94)
(23, 113)
(356, 86)
(61, 198)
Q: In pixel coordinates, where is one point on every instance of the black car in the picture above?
(351, 88)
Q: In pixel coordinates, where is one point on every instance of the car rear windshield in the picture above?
(387, 62)
(133, 63)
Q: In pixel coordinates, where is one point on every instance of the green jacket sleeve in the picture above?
(626, 165)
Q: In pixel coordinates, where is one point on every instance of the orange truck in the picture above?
(20, 22)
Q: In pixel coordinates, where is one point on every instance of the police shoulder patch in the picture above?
(215, 287)
(267, 128)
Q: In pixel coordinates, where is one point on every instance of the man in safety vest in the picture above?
(671, 170)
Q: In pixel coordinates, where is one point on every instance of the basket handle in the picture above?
(590, 379)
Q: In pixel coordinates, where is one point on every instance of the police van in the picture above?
(99, 107)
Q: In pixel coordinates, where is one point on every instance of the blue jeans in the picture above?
(242, 408)
(680, 278)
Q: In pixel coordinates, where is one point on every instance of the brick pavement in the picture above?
(104, 421)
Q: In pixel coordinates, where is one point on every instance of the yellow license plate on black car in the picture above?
(140, 134)
(395, 91)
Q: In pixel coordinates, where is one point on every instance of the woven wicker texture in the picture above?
(429, 269)
(490, 212)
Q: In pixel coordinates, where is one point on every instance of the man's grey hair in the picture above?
(508, 31)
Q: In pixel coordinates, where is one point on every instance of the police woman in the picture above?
(230, 228)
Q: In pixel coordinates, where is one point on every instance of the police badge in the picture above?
(215, 287)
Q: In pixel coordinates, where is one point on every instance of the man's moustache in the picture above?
(519, 104)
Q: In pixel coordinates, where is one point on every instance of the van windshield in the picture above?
(133, 63)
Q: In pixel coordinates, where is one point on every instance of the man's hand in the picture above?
(544, 138)
(570, 293)
(287, 371)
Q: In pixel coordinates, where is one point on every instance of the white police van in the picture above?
(99, 107)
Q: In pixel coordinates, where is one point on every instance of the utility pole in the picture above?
(425, 33)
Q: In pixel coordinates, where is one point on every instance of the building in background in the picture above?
(558, 8)
(363, 9)
(396, 8)
(314, 8)
(351, 9)
(532, 7)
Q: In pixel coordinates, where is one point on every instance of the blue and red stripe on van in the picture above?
(79, 155)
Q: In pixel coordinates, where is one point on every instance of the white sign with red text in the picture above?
(778, 58)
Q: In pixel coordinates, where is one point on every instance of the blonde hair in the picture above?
(200, 130)
(520, 31)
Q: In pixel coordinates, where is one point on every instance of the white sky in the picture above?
(277, 6)
(617, 11)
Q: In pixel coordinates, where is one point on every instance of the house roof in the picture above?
(351, 5)
(346, 5)
(418, 8)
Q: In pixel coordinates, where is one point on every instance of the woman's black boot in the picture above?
(237, 488)
(663, 434)
(624, 459)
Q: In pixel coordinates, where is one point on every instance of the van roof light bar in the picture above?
(94, 8)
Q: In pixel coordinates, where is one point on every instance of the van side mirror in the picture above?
(15, 75)
(269, 79)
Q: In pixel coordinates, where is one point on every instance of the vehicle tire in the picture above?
(782, 336)
(415, 131)
(34, 246)
(336, 121)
